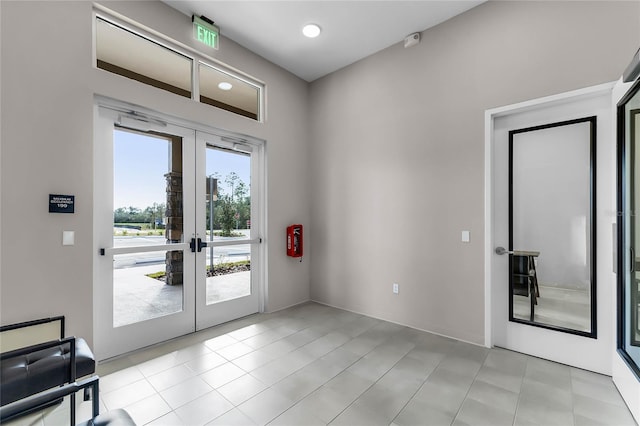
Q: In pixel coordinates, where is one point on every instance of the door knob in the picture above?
(502, 250)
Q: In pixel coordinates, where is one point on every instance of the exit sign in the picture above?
(205, 32)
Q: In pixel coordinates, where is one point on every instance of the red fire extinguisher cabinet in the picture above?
(294, 241)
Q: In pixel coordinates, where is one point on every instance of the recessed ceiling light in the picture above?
(311, 30)
(225, 86)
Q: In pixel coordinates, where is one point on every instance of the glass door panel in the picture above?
(143, 296)
(227, 288)
(634, 195)
(230, 277)
(629, 227)
(552, 226)
(143, 167)
(230, 221)
(148, 196)
(140, 289)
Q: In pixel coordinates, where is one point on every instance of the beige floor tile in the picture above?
(241, 389)
(185, 392)
(148, 409)
(127, 395)
(203, 409)
(222, 375)
(316, 365)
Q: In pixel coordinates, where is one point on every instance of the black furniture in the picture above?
(524, 278)
(27, 370)
(111, 418)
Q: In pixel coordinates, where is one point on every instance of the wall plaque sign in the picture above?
(61, 203)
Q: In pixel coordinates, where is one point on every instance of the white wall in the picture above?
(397, 148)
(48, 85)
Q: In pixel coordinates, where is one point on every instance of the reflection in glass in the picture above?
(524, 282)
(151, 64)
(230, 93)
(140, 291)
(552, 268)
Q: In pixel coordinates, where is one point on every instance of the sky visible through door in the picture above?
(140, 168)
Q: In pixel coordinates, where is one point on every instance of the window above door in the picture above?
(124, 49)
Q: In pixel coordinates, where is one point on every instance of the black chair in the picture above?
(19, 408)
(524, 279)
(29, 368)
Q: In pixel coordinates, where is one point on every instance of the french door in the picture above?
(177, 215)
(228, 222)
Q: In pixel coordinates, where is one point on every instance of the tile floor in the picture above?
(316, 365)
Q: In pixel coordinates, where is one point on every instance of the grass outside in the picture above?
(219, 269)
(145, 229)
(135, 229)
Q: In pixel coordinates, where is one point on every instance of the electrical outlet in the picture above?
(396, 288)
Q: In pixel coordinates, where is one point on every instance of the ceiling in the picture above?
(351, 30)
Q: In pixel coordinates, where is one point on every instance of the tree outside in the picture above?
(232, 209)
(152, 215)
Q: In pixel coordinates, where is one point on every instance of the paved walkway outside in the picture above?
(138, 297)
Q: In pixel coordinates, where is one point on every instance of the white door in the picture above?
(551, 208)
(154, 249)
(229, 223)
(144, 265)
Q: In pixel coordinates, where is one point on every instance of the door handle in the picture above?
(502, 250)
(197, 245)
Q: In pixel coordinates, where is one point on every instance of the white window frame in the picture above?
(196, 56)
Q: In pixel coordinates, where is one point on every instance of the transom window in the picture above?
(122, 50)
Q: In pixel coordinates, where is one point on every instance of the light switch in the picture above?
(466, 236)
(68, 238)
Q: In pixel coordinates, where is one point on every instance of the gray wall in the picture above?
(397, 150)
(48, 84)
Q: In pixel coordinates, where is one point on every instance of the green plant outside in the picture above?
(161, 274)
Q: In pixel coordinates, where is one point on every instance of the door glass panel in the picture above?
(147, 178)
(140, 289)
(147, 195)
(629, 226)
(634, 279)
(228, 207)
(231, 276)
(552, 226)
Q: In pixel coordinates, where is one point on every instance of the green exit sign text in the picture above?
(206, 32)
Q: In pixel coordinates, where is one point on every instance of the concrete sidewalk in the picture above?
(139, 298)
